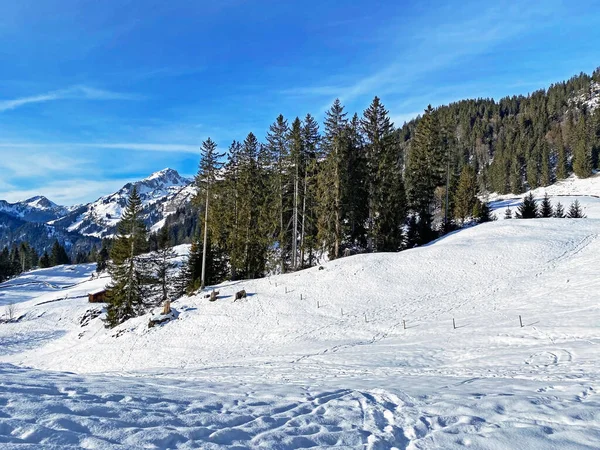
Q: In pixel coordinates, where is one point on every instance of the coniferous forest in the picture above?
(358, 183)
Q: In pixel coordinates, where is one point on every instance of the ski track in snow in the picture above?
(273, 371)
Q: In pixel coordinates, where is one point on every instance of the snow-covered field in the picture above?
(362, 353)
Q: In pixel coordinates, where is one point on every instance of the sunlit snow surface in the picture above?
(334, 368)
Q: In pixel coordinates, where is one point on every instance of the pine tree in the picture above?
(330, 179)
(195, 264)
(482, 212)
(308, 234)
(102, 259)
(561, 158)
(508, 213)
(575, 211)
(164, 266)
(465, 198)
(125, 294)
(545, 169)
(45, 261)
(386, 194)
(528, 209)
(425, 168)
(546, 209)
(58, 255)
(210, 164)
(582, 157)
(278, 149)
(559, 211)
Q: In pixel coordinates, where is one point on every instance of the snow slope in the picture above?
(323, 358)
(586, 190)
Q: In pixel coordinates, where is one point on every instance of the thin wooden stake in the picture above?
(342, 311)
(300, 297)
(453, 323)
(318, 304)
(286, 289)
(520, 321)
(366, 318)
(404, 324)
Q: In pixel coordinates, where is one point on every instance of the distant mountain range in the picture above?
(39, 221)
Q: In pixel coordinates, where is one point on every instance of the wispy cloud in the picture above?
(78, 92)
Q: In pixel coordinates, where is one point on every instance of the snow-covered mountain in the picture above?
(35, 209)
(161, 193)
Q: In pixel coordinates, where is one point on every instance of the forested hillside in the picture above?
(359, 184)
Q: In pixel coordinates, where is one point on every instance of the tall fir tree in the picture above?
(210, 164)
(582, 157)
(425, 171)
(163, 262)
(129, 271)
(465, 197)
(386, 194)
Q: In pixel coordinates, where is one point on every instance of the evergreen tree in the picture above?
(308, 234)
(575, 211)
(546, 209)
(386, 194)
(528, 209)
(128, 270)
(482, 212)
(561, 158)
(278, 154)
(582, 157)
(102, 259)
(164, 267)
(425, 169)
(508, 213)
(330, 179)
(195, 264)
(465, 198)
(45, 261)
(207, 175)
(58, 255)
(559, 211)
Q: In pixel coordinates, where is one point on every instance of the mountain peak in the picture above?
(166, 173)
(39, 201)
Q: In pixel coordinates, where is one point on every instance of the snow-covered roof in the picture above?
(97, 291)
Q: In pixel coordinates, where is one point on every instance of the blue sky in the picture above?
(97, 93)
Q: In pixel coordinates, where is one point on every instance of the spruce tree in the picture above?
(582, 157)
(129, 274)
(278, 150)
(164, 267)
(528, 209)
(58, 255)
(546, 209)
(559, 211)
(386, 194)
(575, 211)
(425, 169)
(508, 213)
(308, 233)
(465, 198)
(210, 164)
(45, 261)
(330, 180)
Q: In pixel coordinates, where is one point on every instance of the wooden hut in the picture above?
(97, 296)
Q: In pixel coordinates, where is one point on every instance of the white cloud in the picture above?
(78, 92)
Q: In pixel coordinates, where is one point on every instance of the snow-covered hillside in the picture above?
(586, 190)
(161, 193)
(362, 353)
